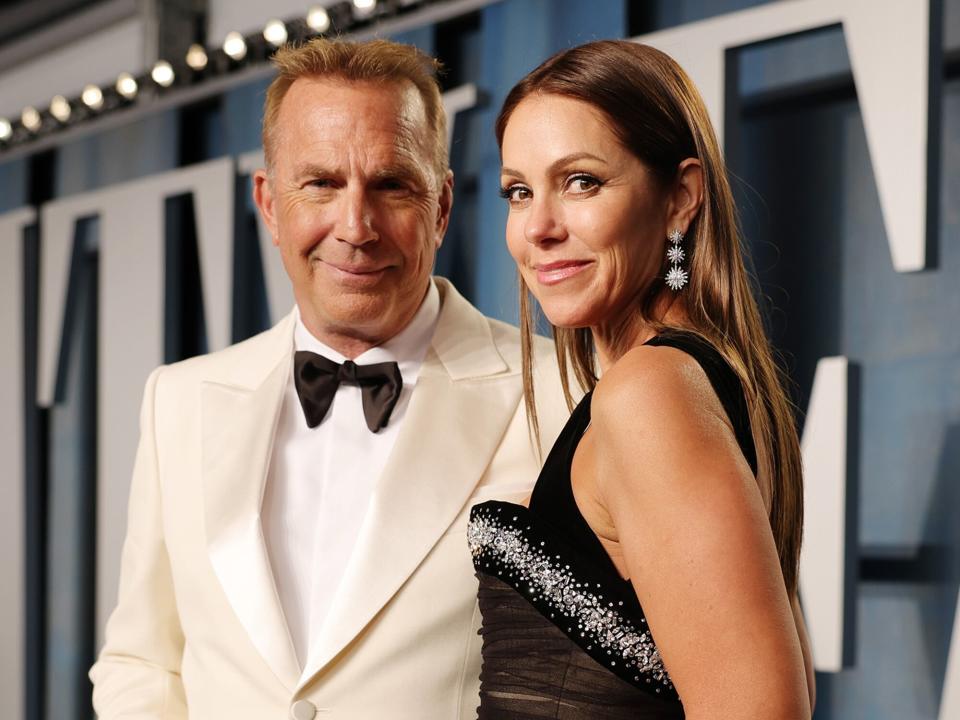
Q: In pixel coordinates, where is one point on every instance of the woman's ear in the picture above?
(686, 197)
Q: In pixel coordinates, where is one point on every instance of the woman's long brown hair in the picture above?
(658, 115)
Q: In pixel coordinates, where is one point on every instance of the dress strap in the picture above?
(724, 381)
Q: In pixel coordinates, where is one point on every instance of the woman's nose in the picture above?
(544, 222)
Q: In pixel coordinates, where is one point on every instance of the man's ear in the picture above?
(686, 197)
(263, 197)
(444, 206)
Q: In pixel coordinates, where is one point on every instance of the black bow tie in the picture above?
(317, 379)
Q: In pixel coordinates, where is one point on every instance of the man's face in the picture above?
(354, 204)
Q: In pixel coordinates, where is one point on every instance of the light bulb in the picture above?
(92, 97)
(30, 118)
(127, 86)
(196, 57)
(318, 19)
(163, 74)
(60, 108)
(235, 46)
(275, 33)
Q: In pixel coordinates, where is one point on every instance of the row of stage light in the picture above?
(198, 64)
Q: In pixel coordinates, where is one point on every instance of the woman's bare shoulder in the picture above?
(654, 379)
(657, 403)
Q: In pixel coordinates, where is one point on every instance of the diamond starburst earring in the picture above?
(676, 276)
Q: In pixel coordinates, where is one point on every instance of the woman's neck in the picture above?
(614, 339)
(613, 342)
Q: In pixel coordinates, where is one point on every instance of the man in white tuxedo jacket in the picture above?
(296, 535)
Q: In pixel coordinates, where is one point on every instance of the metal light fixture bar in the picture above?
(173, 83)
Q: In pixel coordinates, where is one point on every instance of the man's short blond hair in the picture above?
(378, 61)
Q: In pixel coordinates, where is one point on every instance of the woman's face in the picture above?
(587, 223)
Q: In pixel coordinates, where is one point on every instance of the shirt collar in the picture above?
(407, 348)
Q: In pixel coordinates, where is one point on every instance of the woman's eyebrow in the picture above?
(557, 164)
(574, 157)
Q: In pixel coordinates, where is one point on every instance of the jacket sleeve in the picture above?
(138, 672)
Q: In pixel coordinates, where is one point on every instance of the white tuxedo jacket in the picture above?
(199, 632)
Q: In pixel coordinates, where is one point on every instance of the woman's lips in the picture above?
(557, 272)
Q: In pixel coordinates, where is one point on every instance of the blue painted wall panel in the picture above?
(13, 184)
(812, 215)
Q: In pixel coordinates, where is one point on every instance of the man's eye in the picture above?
(515, 193)
(321, 183)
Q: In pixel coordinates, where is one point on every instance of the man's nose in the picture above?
(544, 221)
(355, 221)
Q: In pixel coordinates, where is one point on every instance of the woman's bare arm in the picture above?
(696, 540)
(807, 652)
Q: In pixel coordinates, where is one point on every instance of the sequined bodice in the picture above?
(554, 607)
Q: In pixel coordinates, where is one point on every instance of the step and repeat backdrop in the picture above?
(128, 239)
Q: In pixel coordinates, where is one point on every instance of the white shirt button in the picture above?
(303, 710)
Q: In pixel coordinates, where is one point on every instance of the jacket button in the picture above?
(303, 710)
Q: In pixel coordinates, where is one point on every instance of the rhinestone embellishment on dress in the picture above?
(500, 547)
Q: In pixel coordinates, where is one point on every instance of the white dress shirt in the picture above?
(321, 480)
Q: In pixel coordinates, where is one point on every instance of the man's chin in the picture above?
(355, 314)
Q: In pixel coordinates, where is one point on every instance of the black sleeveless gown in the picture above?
(564, 635)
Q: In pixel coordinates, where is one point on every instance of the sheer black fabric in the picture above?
(564, 635)
(531, 669)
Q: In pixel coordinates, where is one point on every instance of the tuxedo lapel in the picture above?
(463, 401)
(239, 417)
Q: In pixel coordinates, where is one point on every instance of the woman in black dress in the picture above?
(653, 573)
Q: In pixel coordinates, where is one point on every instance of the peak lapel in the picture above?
(458, 413)
(238, 425)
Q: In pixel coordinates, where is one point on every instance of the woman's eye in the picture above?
(515, 193)
(579, 184)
